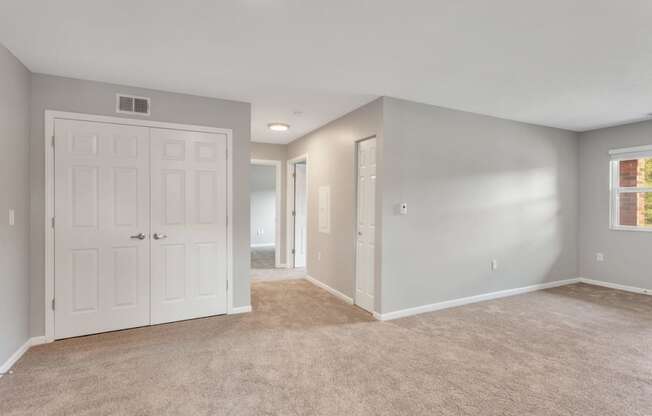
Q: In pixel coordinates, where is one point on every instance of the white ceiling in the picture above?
(578, 64)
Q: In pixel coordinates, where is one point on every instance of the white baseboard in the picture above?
(329, 289)
(282, 266)
(262, 245)
(471, 299)
(616, 286)
(240, 309)
(6, 366)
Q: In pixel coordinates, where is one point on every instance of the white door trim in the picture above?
(50, 117)
(290, 204)
(279, 195)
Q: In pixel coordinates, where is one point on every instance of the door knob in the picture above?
(140, 236)
(158, 236)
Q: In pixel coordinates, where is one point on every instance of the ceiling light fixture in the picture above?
(278, 126)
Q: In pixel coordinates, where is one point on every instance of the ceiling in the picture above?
(577, 65)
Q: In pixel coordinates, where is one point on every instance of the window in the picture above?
(631, 188)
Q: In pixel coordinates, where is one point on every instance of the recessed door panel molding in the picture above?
(101, 273)
(85, 280)
(207, 268)
(173, 203)
(207, 196)
(125, 202)
(125, 276)
(189, 207)
(366, 225)
(84, 196)
(174, 269)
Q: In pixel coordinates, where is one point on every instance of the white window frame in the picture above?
(616, 155)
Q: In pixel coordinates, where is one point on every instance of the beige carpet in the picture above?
(577, 350)
(263, 257)
(268, 275)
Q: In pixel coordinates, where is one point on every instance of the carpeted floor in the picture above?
(263, 267)
(575, 350)
(263, 257)
(268, 275)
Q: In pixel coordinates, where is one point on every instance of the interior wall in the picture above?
(65, 94)
(331, 152)
(477, 188)
(14, 194)
(268, 151)
(263, 206)
(626, 253)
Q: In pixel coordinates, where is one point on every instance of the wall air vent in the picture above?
(128, 104)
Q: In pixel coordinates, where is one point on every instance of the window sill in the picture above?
(629, 228)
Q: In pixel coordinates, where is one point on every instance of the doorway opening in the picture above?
(265, 200)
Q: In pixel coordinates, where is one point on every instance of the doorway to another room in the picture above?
(265, 197)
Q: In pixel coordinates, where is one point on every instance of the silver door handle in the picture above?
(158, 236)
(140, 236)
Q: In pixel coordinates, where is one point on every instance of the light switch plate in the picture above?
(12, 217)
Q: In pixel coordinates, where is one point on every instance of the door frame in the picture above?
(277, 221)
(50, 117)
(290, 207)
(355, 229)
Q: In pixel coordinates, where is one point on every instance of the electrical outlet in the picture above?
(494, 265)
(599, 256)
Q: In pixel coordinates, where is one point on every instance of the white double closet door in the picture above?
(140, 226)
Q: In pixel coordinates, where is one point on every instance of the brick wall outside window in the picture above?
(632, 205)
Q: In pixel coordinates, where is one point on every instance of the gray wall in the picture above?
(478, 188)
(276, 152)
(627, 253)
(14, 193)
(64, 94)
(331, 154)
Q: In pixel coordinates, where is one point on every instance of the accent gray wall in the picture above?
(14, 193)
(627, 253)
(268, 151)
(331, 152)
(65, 94)
(478, 188)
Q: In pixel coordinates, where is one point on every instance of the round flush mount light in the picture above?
(278, 126)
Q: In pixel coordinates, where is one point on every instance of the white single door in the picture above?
(188, 225)
(300, 217)
(366, 225)
(101, 225)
